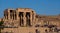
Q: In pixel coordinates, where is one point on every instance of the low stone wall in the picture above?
(25, 29)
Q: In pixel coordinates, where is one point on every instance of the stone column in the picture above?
(31, 18)
(14, 16)
(34, 20)
(21, 20)
(24, 18)
(6, 17)
(9, 14)
(17, 15)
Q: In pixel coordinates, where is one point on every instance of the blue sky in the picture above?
(43, 7)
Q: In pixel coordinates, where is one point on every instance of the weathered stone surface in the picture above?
(27, 21)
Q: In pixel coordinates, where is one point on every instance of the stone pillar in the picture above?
(6, 17)
(34, 18)
(31, 18)
(17, 15)
(21, 20)
(8, 14)
(14, 16)
(24, 18)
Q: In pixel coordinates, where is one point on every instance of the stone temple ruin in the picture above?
(25, 20)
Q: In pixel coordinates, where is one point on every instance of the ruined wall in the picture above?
(49, 20)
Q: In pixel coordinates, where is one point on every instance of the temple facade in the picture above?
(25, 20)
(20, 16)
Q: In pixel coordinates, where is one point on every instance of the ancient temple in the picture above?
(22, 16)
(25, 20)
